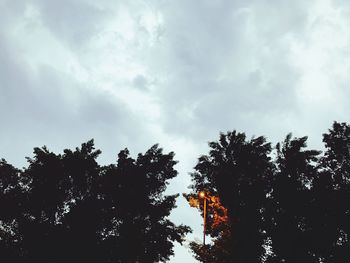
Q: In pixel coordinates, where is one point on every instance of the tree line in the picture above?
(282, 203)
(68, 208)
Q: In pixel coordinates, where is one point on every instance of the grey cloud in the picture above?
(140, 82)
(227, 63)
(48, 107)
(73, 21)
(44, 105)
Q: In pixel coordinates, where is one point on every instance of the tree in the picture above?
(291, 201)
(12, 201)
(141, 206)
(290, 207)
(331, 192)
(70, 209)
(238, 171)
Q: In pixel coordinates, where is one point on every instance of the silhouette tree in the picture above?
(289, 209)
(238, 171)
(12, 202)
(288, 205)
(331, 224)
(144, 232)
(67, 208)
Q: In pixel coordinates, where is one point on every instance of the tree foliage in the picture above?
(238, 171)
(285, 204)
(68, 208)
(289, 204)
(282, 204)
(331, 194)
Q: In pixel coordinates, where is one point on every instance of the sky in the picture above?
(132, 73)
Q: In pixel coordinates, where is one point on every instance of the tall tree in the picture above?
(12, 202)
(289, 208)
(294, 205)
(67, 208)
(332, 192)
(145, 232)
(238, 171)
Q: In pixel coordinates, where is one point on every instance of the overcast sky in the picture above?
(133, 73)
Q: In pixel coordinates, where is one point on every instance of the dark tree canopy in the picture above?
(285, 204)
(332, 195)
(68, 208)
(288, 206)
(238, 171)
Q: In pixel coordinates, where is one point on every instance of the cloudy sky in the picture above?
(131, 73)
